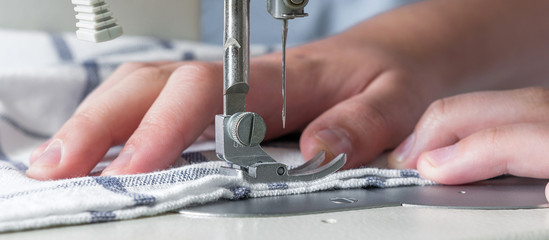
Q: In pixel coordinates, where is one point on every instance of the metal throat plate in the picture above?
(498, 193)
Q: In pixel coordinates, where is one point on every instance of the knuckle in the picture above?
(438, 108)
(493, 144)
(147, 73)
(133, 65)
(202, 71)
(88, 120)
(375, 116)
(435, 114)
(85, 118)
(537, 94)
(160, 124)
(493, 135)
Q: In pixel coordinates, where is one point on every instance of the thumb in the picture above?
(365, 125)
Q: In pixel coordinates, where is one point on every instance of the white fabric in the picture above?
(42, 80)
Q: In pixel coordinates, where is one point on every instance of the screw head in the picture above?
(246, 128)
(280, 171)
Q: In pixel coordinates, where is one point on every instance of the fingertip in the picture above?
(119, 165)
(38, 151)
(332, 140)
(44, 166)
(40, 173)
(145, 153)
(400, 157)
(309, 146)
(396, 161)
(439, 173)
(112, 172)
(427, 170)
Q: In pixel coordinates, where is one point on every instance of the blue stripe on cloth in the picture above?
(18, 165)
(3, 156)
(71, 184)
(165, 44)
(374, 181)
(194, 157)
(113, 184)
(62, 48)
(240, 192)
(270, 49)
(92, 77)
(277, 186)
(409, 173)
(188, 56)
(118, 184)
(99, 217)
(22, 129)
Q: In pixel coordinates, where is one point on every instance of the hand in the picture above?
(360, 92)
(158, 109)
(480, 135)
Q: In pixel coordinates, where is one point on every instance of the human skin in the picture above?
(360, 92)
(480, 135)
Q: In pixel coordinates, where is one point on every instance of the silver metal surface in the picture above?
(287, 9)
(499, 193)
(262, 172)
(236, 59)
(246, 128)
(229, 150)
(284, 37)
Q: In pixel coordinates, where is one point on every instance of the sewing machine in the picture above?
(376, 213)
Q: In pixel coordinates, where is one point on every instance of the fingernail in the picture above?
(441, 156)
(51, 155)
(119, 163)
(336, 140)
(403, 150)
(38, 151)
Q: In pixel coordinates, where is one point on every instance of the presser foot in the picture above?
(264, 172)
(237, 141)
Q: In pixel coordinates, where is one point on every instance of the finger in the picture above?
(448, 120)
(517, 149)
(108, 120)
(313, 84)
(39, 150)
(118, 75)
(366, 124)
(185, 107)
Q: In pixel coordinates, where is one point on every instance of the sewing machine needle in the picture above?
(284, 36)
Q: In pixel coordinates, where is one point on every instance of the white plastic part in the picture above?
(95, 21)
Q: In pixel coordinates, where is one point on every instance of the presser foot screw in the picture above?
(246, 128)
(297, 2)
